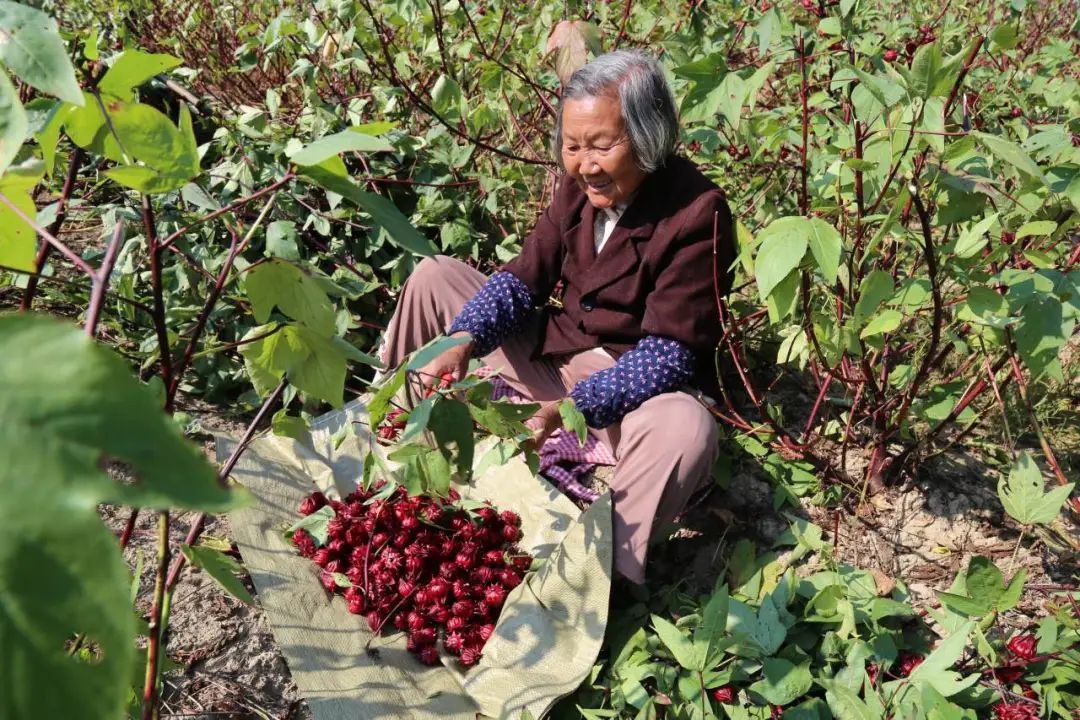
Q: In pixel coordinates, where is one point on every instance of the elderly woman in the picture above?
(638, 237)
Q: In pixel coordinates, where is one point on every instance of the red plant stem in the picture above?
(804, 205)
(204, 315)
(154, 635)
(48, 237)
(817, 405)
(157, 289)
(938, 318)
(172, 238)
(968, 61)
(74, 165)
(1048, 451)
(129, 527)
(223, 473)
(101, 279)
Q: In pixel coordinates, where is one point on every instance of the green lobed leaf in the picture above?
(314, 363)
(382, 211)
(1042, 332)
(285, 285)
(315, 524)
(221, 567)
(676, 641)
(1021, 492)
(31, 46)
(781, 248)
(432, 350)
(13, 123)
(574, 421)
(133, 68)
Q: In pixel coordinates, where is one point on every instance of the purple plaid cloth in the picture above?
(562, 459)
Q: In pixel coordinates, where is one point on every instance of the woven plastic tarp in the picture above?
(547, 636)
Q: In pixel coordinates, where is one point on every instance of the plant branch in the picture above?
(74, 165)
(101, 279)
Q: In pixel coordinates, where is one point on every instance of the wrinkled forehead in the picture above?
(592, 115)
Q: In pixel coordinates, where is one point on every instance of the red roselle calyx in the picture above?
(419, 564)
(1023, 646)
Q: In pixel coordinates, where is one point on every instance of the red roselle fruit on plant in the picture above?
(907, 662)
(725, 694)
(1023, 646)
(890, 55)
(1016, 711)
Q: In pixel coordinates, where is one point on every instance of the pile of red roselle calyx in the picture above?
(429, 567)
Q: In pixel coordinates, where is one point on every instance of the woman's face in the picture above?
(596, 150)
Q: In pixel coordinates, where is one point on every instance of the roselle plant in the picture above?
(805, 636)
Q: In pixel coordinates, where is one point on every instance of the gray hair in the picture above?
(645, 98)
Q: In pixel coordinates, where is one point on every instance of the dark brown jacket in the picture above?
(654, 276)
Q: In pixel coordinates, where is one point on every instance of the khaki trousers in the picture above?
(664, 449)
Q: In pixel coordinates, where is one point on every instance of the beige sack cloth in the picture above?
(545, 642)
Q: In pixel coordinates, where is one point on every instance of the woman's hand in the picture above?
(545, 422)
(452, 363)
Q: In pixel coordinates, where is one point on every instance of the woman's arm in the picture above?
(655, 365)
(496, 312)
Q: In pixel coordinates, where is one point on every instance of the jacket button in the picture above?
(587, 304)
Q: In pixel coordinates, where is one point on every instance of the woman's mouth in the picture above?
(598, 186)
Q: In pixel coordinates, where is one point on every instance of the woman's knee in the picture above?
(674, 423)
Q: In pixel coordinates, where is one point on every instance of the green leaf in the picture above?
(382, 211)
(13, 123)
(67, 405)
(935, 671)
(147, 135)
(1042, 332)
(676, 641)
(221, 567)
(709, 637)
(925, 67)
(30, 45)
(17, 239)
(1005, 36)
(132, 69)
(446, 98)
(281, 240)
(783, 681)
(418, 419)
(1022, 493)
(876, 288)
(1009, 153)
(337, 143)
(884, 322)
(846, 705)
(781, 248)
(316, 524)
(452, 426)
(282, 284)
(1037, 227)
(432, 350)
(973, 239)
(314, 363)
(81, 400)
(825, 246)
(574, 421)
